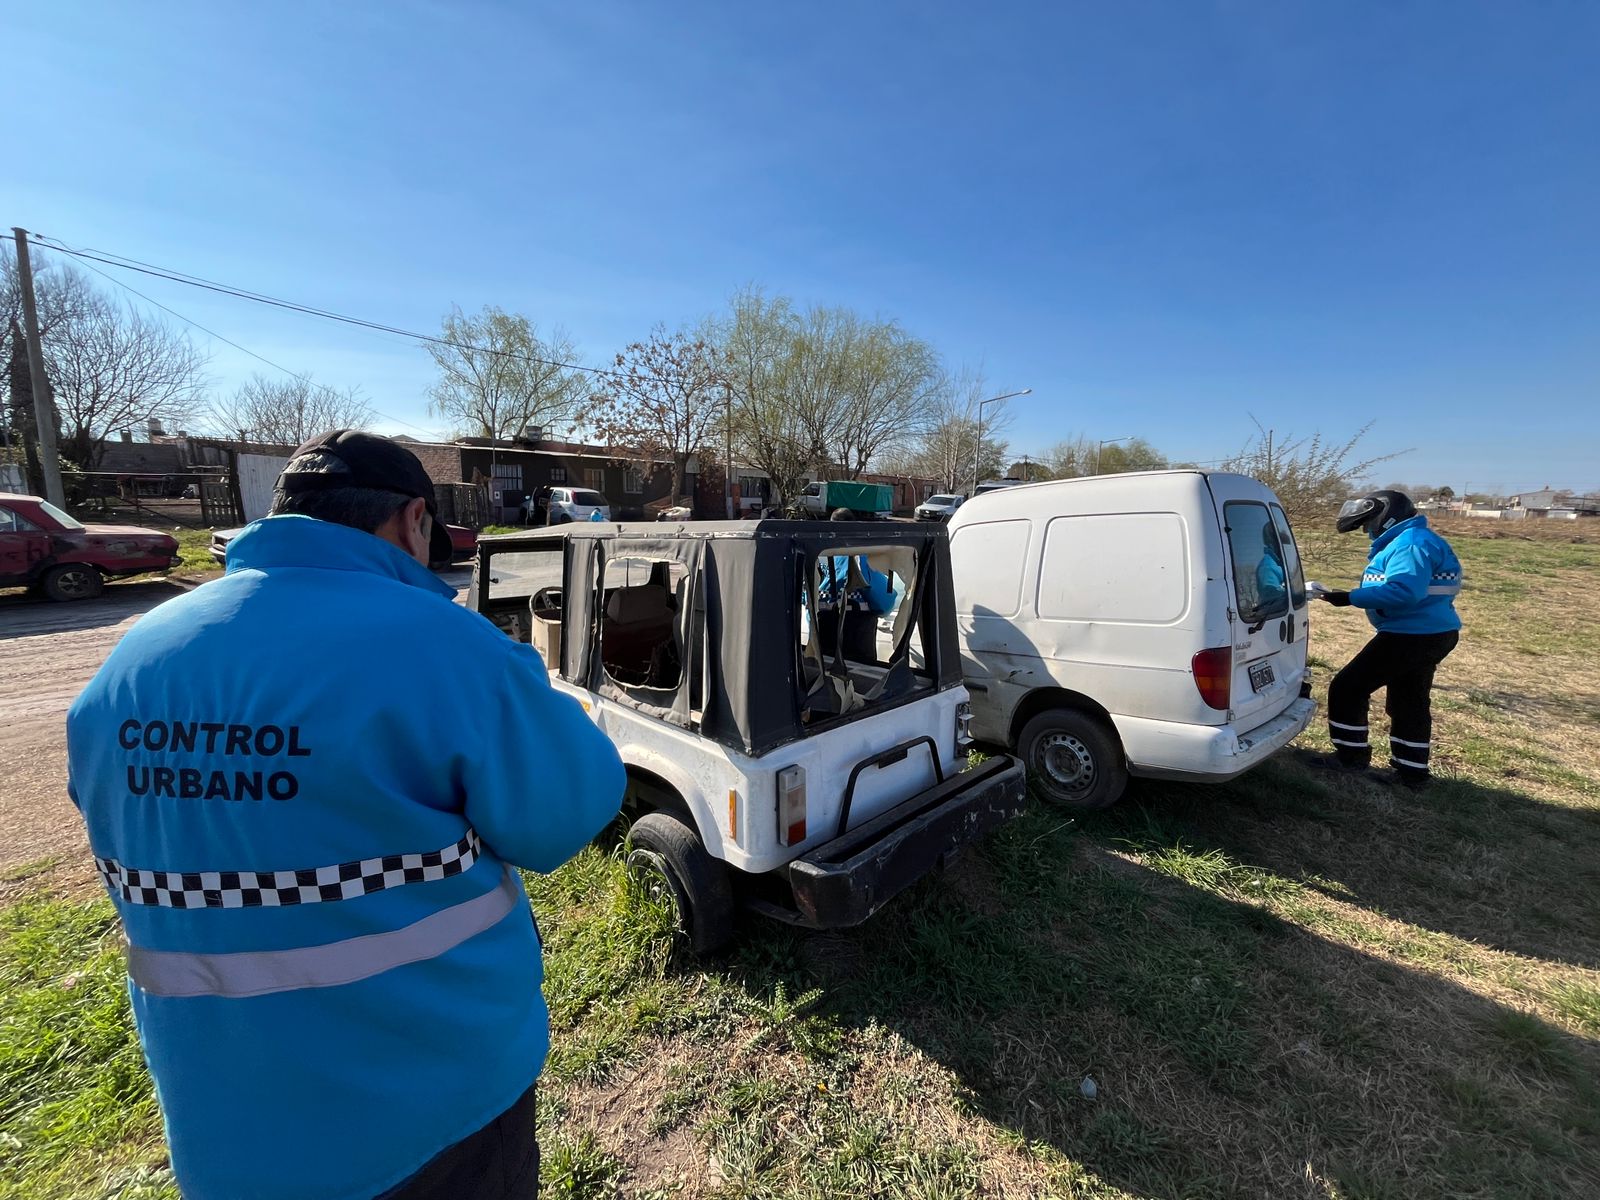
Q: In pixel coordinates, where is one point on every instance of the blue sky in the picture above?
(1160, 217)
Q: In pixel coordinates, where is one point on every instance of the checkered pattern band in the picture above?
(278, 889)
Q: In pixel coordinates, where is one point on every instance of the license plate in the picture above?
(1261, 676)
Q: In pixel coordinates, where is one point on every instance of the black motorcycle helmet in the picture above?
(1376, 512)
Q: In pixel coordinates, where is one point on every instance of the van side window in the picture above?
(1119, 568)
(1260, 570)
(1291, 557)
(993, 583)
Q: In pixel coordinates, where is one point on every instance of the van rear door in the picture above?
(1269, 609)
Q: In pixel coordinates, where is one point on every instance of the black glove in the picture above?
(1338, 599)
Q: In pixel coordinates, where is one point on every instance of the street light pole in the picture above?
(1108, 442)
(977, 450)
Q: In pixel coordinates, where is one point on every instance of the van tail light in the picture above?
(792, 806)
(963, 727)
(1213, 675)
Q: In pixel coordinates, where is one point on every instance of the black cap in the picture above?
(349, 458)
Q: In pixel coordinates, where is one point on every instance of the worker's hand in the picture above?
(1337, 599)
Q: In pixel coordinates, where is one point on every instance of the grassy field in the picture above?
(194, 549)
(1289, 986)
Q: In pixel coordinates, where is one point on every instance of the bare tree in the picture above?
(664, 398)
(1071, 457)
(289, 411)
(949, 450)
(62, 294)
(1132, 454)
(116, 368)
(824, 390)
(1312, 476)
(497, 376)
(816, 382)
(757, 339)
(889, 383)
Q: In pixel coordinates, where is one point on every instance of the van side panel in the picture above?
(1119, 583)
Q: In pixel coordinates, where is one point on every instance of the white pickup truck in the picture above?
(795, 738)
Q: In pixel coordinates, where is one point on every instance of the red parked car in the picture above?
(42, 547)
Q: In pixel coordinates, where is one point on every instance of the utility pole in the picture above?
(44, 409)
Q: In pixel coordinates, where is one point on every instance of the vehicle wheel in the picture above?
(1074, 759)
(72, 581)
(665, 852)
(564, 519)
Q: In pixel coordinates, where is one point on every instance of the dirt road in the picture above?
(47, 653)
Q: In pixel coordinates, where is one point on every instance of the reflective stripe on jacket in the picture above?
(304, 785)
(1411, 581)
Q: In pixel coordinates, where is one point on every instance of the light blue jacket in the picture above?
(1272, 583)
(878, 596)
(1411, 581)
(331, 763)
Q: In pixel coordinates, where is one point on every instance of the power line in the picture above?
(174, 276)
(305, 379)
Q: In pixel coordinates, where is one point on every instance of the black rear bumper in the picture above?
(845, 881)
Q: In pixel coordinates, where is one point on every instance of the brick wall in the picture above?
(442, 463)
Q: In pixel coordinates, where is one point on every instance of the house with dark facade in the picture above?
(510, 471)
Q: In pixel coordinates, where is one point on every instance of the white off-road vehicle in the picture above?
(786, 696)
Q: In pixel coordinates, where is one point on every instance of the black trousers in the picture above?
(499, 1162)
(1402, 663)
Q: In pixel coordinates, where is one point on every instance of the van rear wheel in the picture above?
(1074, 760)
(665, 854)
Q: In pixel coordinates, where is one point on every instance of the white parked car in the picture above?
(1151, 624)
(563, 505)
(938, 508)
(777, 757)
(576, 504)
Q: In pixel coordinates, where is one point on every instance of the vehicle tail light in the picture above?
(733, 814)
(1213, 675)
(792, 806)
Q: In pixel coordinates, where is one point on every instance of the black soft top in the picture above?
(749, 575)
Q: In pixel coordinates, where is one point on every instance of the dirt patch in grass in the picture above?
(643, 1114)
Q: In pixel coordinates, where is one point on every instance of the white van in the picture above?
(1150, 624)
